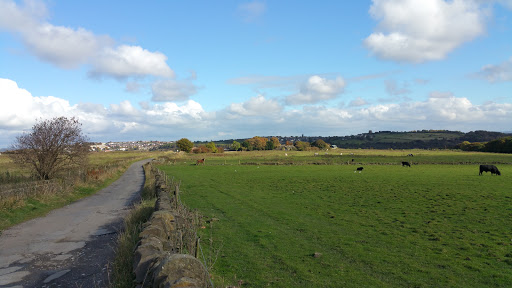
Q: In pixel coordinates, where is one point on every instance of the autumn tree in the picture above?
(275, 141)
(52, 146)
(211, 146)
(185, 145)
(320, 144)
(301, 146)
(257, 143)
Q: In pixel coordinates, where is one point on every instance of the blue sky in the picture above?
(212, 70)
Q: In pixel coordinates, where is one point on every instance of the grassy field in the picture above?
(280, 221)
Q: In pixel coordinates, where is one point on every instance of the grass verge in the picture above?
(122, 272)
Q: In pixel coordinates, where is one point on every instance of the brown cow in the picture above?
(200, 161)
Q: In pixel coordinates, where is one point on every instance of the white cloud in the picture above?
(70, 48)
(124, 109)
(172, 90)
(256, 106)
(497, 73)
(252, 11)
(19, 109)
(125, 61)
(65, 47)
(417, 30)
(256, 116)
(317, 89)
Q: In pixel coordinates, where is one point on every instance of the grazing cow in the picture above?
(359, 169)
(410, 155)
(200, 161)
(316, 154)
(489, 168)
(406, 164)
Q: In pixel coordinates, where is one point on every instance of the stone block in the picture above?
(180, 269)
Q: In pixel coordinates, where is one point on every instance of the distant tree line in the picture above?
(252, 144)
(502, 145)
(448, 140)
(420, 139)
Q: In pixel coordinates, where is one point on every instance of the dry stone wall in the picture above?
(163, 257)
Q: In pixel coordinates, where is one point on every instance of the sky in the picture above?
(214, 70)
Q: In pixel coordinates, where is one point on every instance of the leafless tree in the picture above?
(53, 145)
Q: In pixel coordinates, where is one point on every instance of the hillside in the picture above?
(420, 139)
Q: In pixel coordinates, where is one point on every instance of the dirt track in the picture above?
(72, 246)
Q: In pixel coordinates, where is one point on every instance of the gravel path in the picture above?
(72, 246)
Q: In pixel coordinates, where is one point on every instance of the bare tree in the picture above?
(52, 146)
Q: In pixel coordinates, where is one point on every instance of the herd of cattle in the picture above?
(483, 168)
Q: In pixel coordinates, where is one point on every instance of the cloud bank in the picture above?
(256, 116)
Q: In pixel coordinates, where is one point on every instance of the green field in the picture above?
(431, 225)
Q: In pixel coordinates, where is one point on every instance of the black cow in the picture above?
(406, 164)
(489, 168)
(359, 169)
(410, 155)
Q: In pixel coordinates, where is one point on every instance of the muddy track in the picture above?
(72, 246)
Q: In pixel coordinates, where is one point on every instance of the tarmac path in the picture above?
(72, 246)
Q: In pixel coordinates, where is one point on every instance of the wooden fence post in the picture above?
(197, 248)
(176, 194)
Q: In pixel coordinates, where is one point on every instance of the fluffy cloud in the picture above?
(256, 116)
(256, 106)
(69, 48)
(125, 61)
(172, 90)
(123, 121)
(497, 73)
(19, 109)
(317, 89)
(417, 30)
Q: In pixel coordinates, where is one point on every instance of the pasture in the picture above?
(282, 221)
